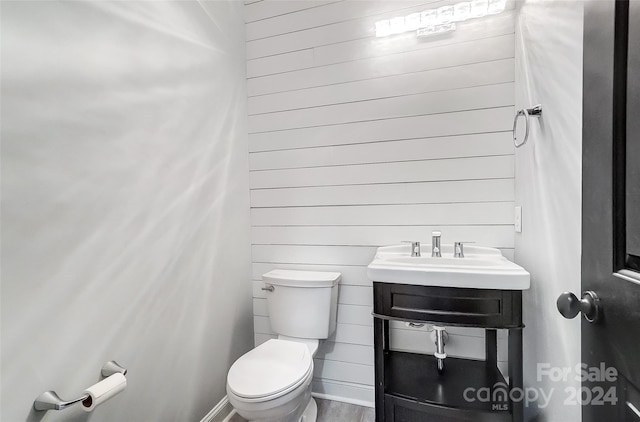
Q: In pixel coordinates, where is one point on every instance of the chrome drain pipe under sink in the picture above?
(440, 336)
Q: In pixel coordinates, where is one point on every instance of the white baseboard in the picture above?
(345, 392)
(220, 411)
(230, 415)
(357, 394)
(344, 400)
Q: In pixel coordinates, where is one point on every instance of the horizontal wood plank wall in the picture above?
(357, 142)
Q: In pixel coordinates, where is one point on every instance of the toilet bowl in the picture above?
(272, 382)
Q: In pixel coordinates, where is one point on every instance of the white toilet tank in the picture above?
(302, 304)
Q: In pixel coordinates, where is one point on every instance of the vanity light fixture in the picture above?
(479, 8)
(438, 21)
(496, 6)
(432, 30)
(429, 18)
(397, 25)
(462, 11)
(383, 28)
(445, 14)
(412, 22)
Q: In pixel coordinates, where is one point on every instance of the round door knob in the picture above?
(570, 306)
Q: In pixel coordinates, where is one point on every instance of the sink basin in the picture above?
(481, 268)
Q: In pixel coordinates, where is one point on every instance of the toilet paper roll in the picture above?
(103, 391)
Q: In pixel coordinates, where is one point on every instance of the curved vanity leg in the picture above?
(380, 346)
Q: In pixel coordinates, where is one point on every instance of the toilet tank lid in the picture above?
(296, 278)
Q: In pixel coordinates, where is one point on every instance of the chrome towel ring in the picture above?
(536, 111)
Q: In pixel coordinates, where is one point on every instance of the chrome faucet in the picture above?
(435, 244)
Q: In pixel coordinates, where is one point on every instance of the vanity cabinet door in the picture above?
(401, 410)
(448, 305)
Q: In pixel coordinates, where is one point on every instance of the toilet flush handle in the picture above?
(268, 288)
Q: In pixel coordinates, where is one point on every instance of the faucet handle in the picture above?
(436, 233)
(458, 249)
(415, 247)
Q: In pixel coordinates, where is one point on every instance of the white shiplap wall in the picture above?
(357, 142)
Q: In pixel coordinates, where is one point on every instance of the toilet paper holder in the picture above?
(50, 400)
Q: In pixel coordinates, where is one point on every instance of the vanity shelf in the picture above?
(408, 387)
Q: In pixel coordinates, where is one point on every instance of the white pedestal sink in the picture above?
(481, 268)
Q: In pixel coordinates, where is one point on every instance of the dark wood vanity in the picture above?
(408, 387)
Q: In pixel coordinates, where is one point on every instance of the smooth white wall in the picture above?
(357, 142)
(125, 206)
(548, 187)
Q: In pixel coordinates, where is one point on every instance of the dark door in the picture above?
(611, 211)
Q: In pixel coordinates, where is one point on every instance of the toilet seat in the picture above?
(269, 371)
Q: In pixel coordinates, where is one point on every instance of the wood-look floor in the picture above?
(334, 411)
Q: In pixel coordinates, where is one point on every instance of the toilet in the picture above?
(272, 382)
